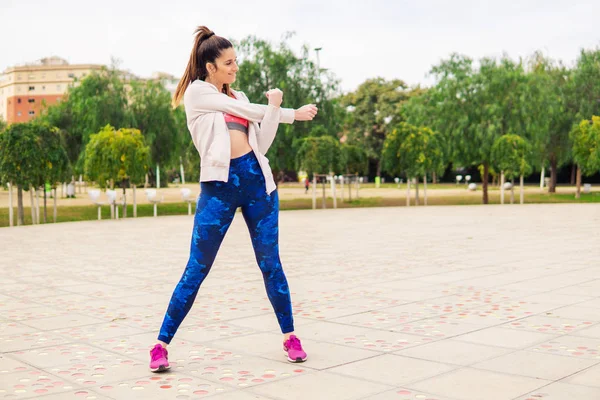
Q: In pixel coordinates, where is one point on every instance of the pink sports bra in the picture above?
(237, 123)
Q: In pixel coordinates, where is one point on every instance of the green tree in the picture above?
(548, 113)
(117, 155)
(150, 105)
(586, 148)
(415, 151)
(21, 160)
(511, 154)
(319, 155)
(97, 100)
(354, 159)
(264, 66)
(372, 110)
(477, 106)
(55, 166)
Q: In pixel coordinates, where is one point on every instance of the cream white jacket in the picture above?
(204, 108)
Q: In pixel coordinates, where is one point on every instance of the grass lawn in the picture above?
(85, 213)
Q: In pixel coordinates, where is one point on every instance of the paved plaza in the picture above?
(445, 303)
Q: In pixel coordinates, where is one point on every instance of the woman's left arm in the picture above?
(268, 126)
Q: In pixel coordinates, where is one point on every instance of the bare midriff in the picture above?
(239, 143)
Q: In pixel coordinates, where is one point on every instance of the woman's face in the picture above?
(226, 67)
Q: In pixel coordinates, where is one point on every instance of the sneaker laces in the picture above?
(158, 352)
(295, 343)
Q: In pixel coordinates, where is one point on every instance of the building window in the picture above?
(19, 101)
(57, 87)
(44, 76)
(71, 75)
(31, 88)
(31, 77)
(31, 112)
(31, 100)
(18, 113)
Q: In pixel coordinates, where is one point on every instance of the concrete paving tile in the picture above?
(32, 384)
(592, 332)
(30, 340)
(453, 352)
(63, 354)
(392, 369)
(9, 303)
(569, 345)
(536, 365)
(163, 386)
(576, 312)
(97, 331)
(240, 395)
(62, 321)
(589, 377)
(502, 337)
(436, 328)
(362, 338)
(473, 384)
(549, 324)
(319, 386)
(406, 394)
(560, 391)
(9, 365)
(247, 371)
(81, 394)
(322, 355)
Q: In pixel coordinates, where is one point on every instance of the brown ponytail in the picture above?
(207, 48)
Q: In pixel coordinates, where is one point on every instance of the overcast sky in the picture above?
(360, 39)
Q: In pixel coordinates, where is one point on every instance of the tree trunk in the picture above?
(20, 210)
(407, 191)
(33, 218)
(45, 209)
(578, 192)
(37, 206)
(512, 191)
(11, 221)
(425, 189)
(553, 173)
(417, 202)
(484, 178)
(124, 200)
(433, 178)
(134, 203)
(522, 190)
(501, 187)
(379, 168)
(324, 199)
(573, 173)
(55, 213)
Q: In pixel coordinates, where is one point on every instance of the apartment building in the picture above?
(26, 89)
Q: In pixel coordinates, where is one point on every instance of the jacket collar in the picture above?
(210, 87)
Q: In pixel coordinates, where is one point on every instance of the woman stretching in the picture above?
(232, 135)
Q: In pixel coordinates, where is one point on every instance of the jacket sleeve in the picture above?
(268, 126)
(208, 101)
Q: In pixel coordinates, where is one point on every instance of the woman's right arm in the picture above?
(207, 102)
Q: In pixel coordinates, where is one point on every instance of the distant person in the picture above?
(232, 135)
(306, 185)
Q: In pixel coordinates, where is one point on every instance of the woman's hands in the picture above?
(306, 113)
(275, 97)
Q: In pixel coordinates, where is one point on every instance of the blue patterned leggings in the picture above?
(214, 213)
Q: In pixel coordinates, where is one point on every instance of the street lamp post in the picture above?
(318, 62)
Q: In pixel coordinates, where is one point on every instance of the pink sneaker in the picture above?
(294, 351)
(159, 359)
